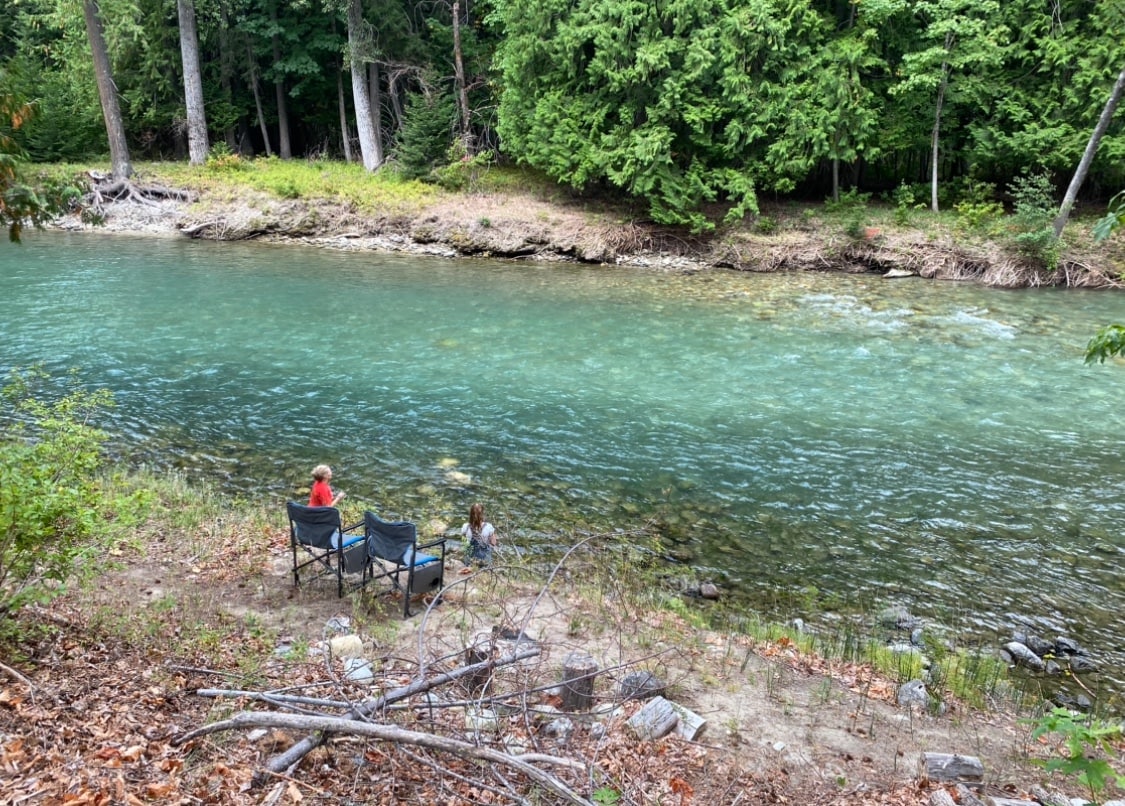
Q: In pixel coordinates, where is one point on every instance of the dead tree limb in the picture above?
(293, 756)
(12, 673)
(392, 733)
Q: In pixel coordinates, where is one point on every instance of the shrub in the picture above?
(53, 506)
(1033, 217)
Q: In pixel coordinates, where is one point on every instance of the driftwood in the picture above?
(392, 733)
(1048, 798)
(690, 725)
(656, 720)
(292, 757)
(940, 797)
(966, 797)
(950, 768)
(12, 673)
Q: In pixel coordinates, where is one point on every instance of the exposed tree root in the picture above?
(105, 190)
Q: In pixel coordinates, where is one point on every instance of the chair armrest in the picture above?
(439, 542)
(353, 527)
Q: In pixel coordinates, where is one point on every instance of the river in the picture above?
(812, 442)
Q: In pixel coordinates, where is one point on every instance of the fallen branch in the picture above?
(292, 757)
(12, 673)
(392, 733)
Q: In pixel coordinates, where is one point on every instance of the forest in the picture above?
(696, 108)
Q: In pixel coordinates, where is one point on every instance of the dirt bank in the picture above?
(526, 227)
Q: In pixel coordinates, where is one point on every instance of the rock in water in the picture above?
(1024, 656)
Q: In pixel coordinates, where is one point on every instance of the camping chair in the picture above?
(321, 533)
(392, 548)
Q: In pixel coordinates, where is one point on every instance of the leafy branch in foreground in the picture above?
(1108, 342)
(1082, 738)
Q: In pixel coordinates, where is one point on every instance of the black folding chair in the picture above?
(392, 549)
(321, 533)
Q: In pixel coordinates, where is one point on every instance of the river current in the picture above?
(809, 441)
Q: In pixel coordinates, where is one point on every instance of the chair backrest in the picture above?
(388, 540)
(314, 526)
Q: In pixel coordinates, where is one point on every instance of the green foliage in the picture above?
(221, 159)
(679, 104)
(1106, 343)
(54, 511)
(1113, 219)
(462, 172)
(1033, 217)
(1082, 740)
(606, 796)
(426, 135)
(851, 201)
(977, 211)
(906, 202)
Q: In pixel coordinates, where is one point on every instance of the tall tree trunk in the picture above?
(375, 92)
(360, 96)
(459, 77)
(253, 68)
(1088, 156)
(937, 126)
(283, 148)
(107, 92)
(341, 99)
(226, 74)
(193, 83)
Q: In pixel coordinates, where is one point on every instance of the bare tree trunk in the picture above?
(193, 83)
(283, 148)
(1088, 156)
(226, 74)
(360, 96)
(107, 91)
(258, 98)
(934, 140)
(345, 135)
(376, 95)
(459, 77)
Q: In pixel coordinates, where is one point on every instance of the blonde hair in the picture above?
(321, 471)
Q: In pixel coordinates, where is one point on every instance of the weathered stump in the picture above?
(578, 673)
(655, 721)
(478, 652)
(950, 769)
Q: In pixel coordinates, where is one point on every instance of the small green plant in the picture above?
(485, 222)
(607, 796)
(462, 171)
(1083, 743)
(977, 209)
(222, 160)
(766, 225)
(286, 189)
(850, 201)
(906, 202)
(1114, 218)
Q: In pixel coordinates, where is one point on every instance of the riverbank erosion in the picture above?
(516, 225)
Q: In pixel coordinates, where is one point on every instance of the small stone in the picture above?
(778, 746)
(709, 590)
(1053, 669)
(338, 624)
(358, 670)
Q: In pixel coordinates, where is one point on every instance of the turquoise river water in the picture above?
(809, 441)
